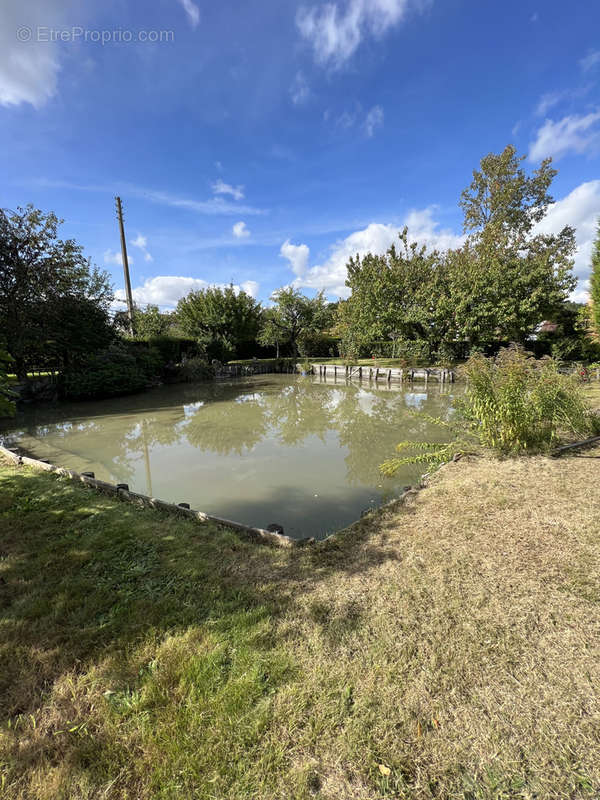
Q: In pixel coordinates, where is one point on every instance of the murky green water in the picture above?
(301, 452)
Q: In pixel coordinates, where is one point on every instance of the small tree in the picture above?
(271, 334)
(595, 285)
(148, 322)
(293, 317)
(221, 320)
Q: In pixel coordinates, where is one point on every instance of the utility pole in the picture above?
(125, 265)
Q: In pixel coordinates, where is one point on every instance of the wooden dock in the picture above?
(387, 374)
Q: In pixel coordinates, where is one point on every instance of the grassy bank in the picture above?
(447, 649)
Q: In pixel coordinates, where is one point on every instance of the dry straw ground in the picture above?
(449, 648)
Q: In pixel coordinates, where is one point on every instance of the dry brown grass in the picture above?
(447, 649)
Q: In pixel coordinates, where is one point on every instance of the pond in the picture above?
(302, 452)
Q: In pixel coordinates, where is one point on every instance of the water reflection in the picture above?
(273, 444)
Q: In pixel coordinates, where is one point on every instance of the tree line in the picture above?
(508, 281)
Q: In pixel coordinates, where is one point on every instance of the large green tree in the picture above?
(221, 320)
(595, 285)
(395, 295)
(508, 276)
(53, 302)
(293, 317)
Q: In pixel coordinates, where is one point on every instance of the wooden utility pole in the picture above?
(125, 265)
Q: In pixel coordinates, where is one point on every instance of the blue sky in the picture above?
(264, 143)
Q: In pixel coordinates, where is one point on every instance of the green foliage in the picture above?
(316, 344)
(393, 296)
(515, 403)
(595, 284)
(7, 405)
(498, 286)
(294, 319)
(433, 454)
(569, 338)
(502, 197)
(220, 320)
(195, 369)
(53, 303)
(172, 348)
(148, 323)
(117, 370)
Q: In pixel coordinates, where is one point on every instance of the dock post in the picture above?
(360, 373)
(389, 379)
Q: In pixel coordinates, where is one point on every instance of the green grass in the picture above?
(444, 650)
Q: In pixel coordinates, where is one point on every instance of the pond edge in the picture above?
(257, 535)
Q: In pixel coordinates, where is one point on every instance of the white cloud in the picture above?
(591, 60)
(576, 133)
(250, 287)
(240, 231)
(299, 90)
(192, 11)
(375, 238)
(29, 65)
(548, 101)
(166, 290)
(297, 255)
(373, 120)
(116, 259)
(335, 31)
(215, 205)
(580, 209)
(141, 243)
(353, 118)
(237, 192)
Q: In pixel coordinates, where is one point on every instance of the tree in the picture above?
(45, 282)
(294, 316)
(396, 294)
(271, 334)
(148, 322)
(221, 320)
(502, 198)
(509, 276)
(595, 284)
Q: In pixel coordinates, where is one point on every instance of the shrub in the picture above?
(114, 371)
(515, 403)
(195, 369)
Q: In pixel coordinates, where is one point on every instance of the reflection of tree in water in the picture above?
(300, 410)
(234, 418)
(228, 427)
(364, 424)
(235, 424)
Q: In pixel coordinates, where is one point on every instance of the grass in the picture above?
(445, 649)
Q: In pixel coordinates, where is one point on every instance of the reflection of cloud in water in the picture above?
(235, 449)
(415, 399)
(189, 409)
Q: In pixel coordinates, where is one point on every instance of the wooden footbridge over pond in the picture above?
(387, 374)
